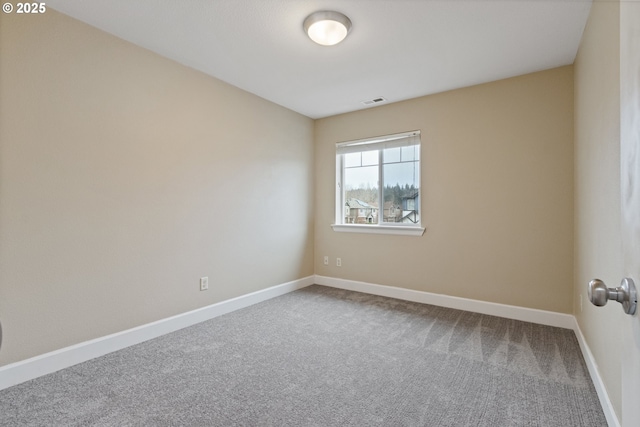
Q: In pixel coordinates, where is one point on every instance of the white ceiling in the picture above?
(397, 49)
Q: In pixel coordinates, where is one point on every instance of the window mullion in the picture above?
(380, 184)
(340, 209)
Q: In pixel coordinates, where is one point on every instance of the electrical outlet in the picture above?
(204, 283)
(339, 262)
(326, 260)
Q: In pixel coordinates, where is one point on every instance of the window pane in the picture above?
(370, 158)
(353, 159)
(410, 153)
(391, 155)
(361, 195)
(400, 192)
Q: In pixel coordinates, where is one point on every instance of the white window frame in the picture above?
(385, 141)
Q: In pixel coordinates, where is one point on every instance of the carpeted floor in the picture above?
(325, 357)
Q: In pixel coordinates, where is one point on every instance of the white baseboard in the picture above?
(549, 318)
(592, 366)
(47, 363)
(44, 364)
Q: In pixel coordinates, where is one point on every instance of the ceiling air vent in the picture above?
(378, 100)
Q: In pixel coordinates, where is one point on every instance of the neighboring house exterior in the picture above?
(392, 212)
(410, 209)
(359, 212)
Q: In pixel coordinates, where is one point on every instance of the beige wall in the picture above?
(598, 248)
(125, 177)
(497, 194)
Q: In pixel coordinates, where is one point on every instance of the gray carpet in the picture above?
(325, 357)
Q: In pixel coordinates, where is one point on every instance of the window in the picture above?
(378, 185)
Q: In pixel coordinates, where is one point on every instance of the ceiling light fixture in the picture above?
(326, 27)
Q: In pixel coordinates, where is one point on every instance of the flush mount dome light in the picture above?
(326, 27)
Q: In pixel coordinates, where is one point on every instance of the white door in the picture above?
(630, 199)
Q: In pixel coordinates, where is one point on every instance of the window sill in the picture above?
(378, 229)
